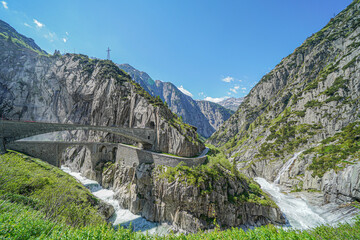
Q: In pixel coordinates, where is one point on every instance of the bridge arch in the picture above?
(103, 153)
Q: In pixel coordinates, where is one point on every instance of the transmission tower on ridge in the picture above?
(108, 53)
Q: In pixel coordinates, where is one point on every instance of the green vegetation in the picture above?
(300, 113)
(42, 187)
(11, 36)
(287, 139)
(337, 151)
(312, 85)
(313, 103)
(107, 68)
(333, 98)
(338, 83)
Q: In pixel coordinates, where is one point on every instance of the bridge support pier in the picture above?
(2, 146)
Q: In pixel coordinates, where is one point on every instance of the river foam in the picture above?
(300, 214)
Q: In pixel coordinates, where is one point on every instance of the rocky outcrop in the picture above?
(76, 89)
(205, 116)
(105, 209)
(189, 207)
(310, 96)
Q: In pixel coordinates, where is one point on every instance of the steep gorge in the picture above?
(73, 88)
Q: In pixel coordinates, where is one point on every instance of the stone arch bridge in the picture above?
(52, 151)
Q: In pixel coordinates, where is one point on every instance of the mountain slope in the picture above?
(19, 39)
(311, 95)
(206, 117)
(76, 89)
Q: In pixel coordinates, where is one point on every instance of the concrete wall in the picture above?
(51, 152)
(46, 152)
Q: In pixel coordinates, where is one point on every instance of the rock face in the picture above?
(231, 103)
(205, 116)
(143, 191)
(75, 89)
(308, 101)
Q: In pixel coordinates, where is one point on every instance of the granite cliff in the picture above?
(205, 116)
(309, 101)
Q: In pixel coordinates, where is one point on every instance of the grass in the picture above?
(40, 186)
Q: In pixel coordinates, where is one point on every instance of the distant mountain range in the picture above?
(204, 115)
(231, 103)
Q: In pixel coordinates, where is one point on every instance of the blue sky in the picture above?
(211, 49)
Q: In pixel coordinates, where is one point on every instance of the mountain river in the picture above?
(304, 210)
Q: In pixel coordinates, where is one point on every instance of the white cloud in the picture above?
(27, 25)
(38, 24)
(5, 4)
(64, 40)
(201, 94)
(234, 89)
(244, 88)
(51, 36)
(240, 80)
(67, 34)
(227, 79)
(184, 91)
(215, 100)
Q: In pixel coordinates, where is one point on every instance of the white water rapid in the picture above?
(121, 216)
(299, 213)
